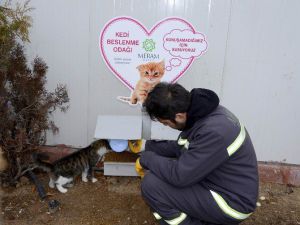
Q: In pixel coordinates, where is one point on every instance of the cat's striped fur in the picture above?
(64, 170)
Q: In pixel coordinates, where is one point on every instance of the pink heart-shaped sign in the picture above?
(126, 44)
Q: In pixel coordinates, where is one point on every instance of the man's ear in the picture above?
(180, 117)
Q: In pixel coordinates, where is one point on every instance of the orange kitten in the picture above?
(151, 74)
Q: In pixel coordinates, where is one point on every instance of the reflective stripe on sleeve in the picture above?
(177, 220)
(237, 142)
(183, 142)
(227, 209)
(157, 216)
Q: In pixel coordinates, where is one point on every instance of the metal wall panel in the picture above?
(60, 35)
(251, 62)
(261, 75)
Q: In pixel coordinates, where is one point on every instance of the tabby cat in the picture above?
(63, 171)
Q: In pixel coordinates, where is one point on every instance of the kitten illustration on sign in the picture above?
(151, 74)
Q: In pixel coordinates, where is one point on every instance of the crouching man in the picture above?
(209, 175)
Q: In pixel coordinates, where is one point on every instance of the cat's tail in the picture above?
(40, 160)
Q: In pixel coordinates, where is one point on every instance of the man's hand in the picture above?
(146, 156)
(141, 162)
(139, 169)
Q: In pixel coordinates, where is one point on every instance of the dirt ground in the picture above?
(117, 200)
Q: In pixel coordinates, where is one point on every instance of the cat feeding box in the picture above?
(128, 127)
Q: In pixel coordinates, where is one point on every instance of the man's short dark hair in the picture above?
(166, 100)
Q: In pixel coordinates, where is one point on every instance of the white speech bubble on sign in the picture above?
(185, 44)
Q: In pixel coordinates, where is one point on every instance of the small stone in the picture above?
(113, 180)
(53, 206)
(258, 204)
(262, 198)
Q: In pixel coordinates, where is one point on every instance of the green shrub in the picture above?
(25, 104)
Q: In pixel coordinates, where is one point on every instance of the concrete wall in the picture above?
(251, 62)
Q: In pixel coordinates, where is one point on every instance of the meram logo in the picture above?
(148, 45)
